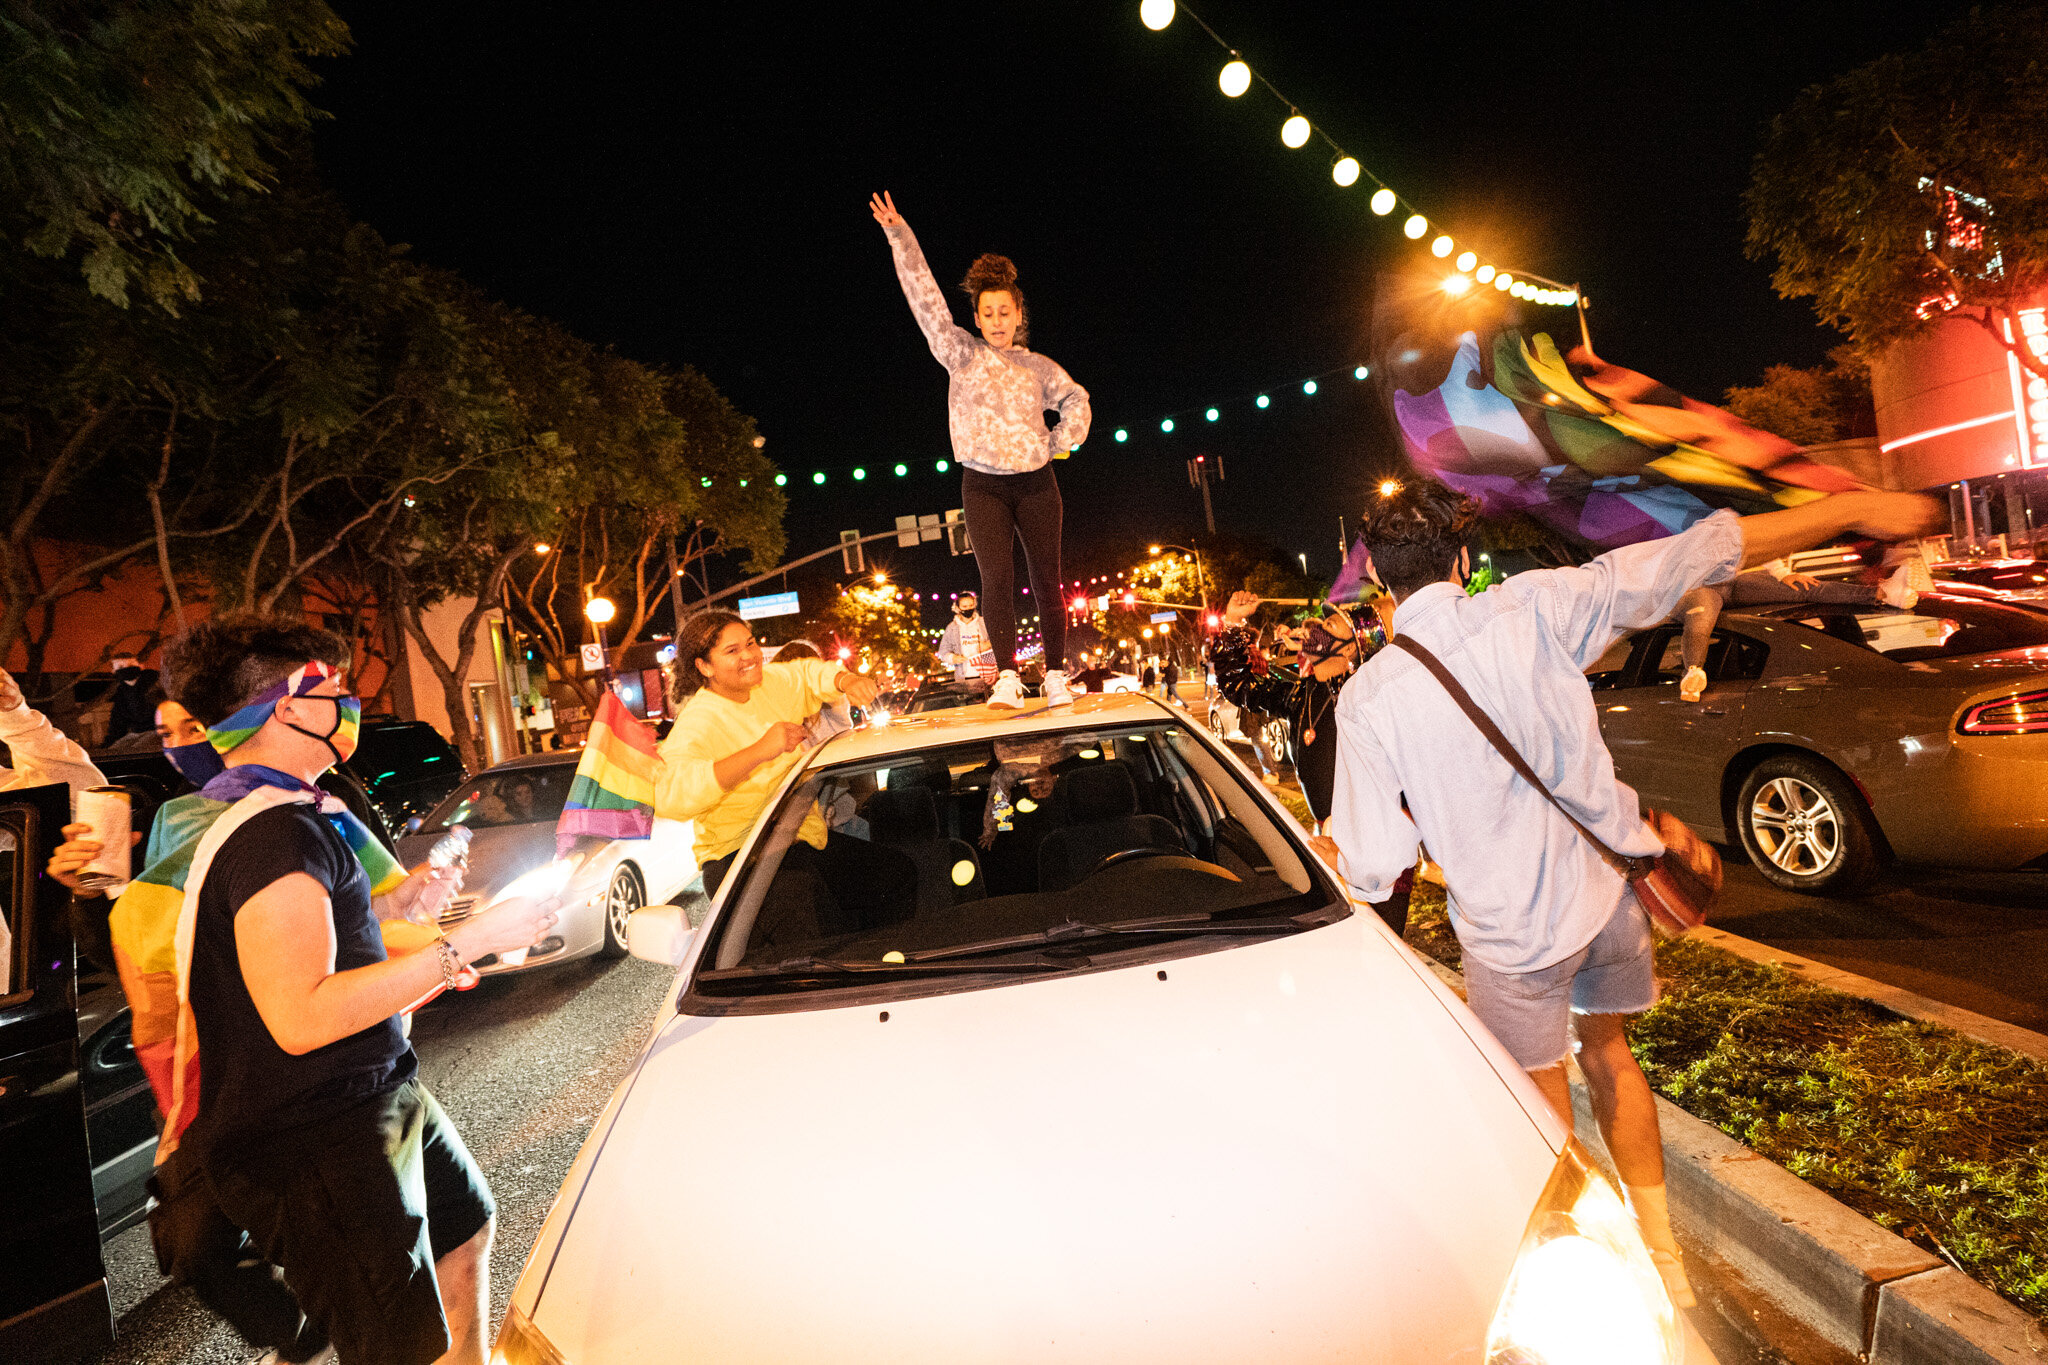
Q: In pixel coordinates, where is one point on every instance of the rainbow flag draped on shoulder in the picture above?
(613, 794)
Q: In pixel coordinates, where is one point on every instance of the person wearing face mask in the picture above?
(965, 643)
(134, 689)
(997, 398)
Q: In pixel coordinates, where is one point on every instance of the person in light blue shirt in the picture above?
(1554, 941)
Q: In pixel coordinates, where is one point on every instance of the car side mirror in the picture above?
(659, 934)
(414, 824)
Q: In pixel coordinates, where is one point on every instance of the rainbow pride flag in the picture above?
(613, 794)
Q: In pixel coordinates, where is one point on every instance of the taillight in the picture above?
(2025, 714)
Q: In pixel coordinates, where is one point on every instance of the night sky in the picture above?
(689, 184)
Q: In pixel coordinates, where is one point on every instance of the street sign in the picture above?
(1159, 616)
(593, 658)
(773, 604)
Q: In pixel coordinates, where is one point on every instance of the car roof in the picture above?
(965, 724)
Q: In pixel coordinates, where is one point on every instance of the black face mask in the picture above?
(966, 613)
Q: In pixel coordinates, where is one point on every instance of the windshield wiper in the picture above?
(1210, 922)
(911, 966)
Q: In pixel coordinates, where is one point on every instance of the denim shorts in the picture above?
(1530, 1012)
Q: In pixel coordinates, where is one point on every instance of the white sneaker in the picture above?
(1898, 590)
(1055, 689)
(1692, 684)
(1008, 693)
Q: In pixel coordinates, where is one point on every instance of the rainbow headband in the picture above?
(238, 728)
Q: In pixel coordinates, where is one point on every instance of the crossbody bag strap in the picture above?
(1627, 867)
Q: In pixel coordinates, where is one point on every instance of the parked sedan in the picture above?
(2019, 580)
(510, 811)
(1833, 740)
(1094, 1060)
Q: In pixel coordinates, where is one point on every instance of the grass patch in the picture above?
(1936, 1136)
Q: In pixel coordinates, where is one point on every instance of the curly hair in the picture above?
(695, 639)
(1414, 534)
(220, 665)
(991, 273)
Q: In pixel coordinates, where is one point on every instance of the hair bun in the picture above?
(990, 271)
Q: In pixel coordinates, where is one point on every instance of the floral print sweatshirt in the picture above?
(997, 400)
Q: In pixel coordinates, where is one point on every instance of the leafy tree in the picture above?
(117, 117)
(881, 628)
(1916, 187)
(1810, 406)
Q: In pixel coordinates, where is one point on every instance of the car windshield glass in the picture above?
(1010, 853)
(1940, 626)
(509, 796)
(400, 753)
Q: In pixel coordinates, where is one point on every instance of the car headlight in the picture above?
(1584, 1290)
(520, 1343)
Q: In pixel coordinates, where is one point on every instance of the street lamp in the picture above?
(600, 611)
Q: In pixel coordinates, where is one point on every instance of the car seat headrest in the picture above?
(1100, 791)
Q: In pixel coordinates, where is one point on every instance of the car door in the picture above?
(53, 1285)
(1673, 751)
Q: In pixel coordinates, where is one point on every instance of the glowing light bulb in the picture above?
(1485, 275)
(1345, 172)
(818, 477)
(1519, 290)
(1389, 487)
(901, 470)
(1264, 401)
(1415, 227)
(1234, 79)
(859, 473)
(1211, 414)
(1295, 131)
(781, 479)
(1503, 281)
(1156, 14)
(1360, 373)
(1467, 260)
(1441, 247)
(1122, 435)
(1167, 426)
(1309, 388)
(1383, 201)
(1457, 284)
(942, 466)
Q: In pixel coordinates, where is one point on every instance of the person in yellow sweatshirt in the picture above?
(738, 731)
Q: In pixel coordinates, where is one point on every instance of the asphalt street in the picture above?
(523, 1065)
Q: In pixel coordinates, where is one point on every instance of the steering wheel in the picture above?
(1129, 855)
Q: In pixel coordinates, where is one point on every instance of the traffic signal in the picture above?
(1080, 604)
(1130, 598)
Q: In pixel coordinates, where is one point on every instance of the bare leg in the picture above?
(465, 1276)
(1622, 1102)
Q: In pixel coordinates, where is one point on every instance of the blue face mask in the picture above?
(198, 762)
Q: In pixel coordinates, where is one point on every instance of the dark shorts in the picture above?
(356, 1210)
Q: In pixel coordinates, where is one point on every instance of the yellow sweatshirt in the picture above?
(710, 728)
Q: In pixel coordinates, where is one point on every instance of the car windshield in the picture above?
(1048, 851)
(400, 753)
(508, 796)
(1941, 626)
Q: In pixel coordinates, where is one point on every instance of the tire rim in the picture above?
(1796, 826)
(620, 902)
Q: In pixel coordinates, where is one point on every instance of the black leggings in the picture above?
(1000, 508)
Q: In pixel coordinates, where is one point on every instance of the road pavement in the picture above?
(523, 1065)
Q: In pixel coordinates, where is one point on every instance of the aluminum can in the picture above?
(107, 811)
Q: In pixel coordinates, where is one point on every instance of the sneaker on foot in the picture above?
(1898, 590)
(1692, 684)
(1008, 693)
(1671, 1268)
(1055, 689)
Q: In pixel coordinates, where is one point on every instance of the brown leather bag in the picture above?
(1675, 889)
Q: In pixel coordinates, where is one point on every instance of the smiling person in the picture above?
(739, 727)
(996, 401)
(310, 1104)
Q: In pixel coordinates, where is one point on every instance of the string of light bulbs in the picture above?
(1236, 78)
(1213, 412)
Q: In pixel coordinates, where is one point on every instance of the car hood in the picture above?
(498, 856)
(1293, 1150)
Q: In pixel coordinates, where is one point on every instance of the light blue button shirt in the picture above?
(1526, 889)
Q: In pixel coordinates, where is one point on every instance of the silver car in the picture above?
(510, 811)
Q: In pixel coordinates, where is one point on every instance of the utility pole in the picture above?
(1200, 471)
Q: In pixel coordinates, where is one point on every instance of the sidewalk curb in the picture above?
(1865, 1290)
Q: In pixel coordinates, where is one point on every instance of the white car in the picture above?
(510, 811)
(1133, 1081)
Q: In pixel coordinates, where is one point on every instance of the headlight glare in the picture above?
(1583, 1290)
(520, 1343)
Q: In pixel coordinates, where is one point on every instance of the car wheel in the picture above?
(621, 899)
(1806, 828)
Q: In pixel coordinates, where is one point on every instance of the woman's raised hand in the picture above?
(1242, 605)
(884, 209)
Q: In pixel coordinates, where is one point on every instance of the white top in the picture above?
(42, 753)
(1525, 889)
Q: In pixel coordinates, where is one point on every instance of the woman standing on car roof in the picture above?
(996, 403)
